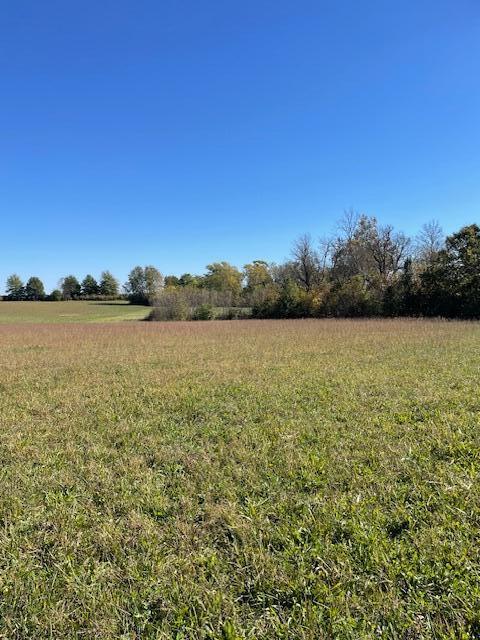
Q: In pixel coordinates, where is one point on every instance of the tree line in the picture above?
(142, 287)
(363, 269)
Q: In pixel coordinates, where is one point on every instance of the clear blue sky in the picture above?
(179, 132)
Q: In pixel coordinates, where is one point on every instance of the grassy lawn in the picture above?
(70, 311)
(252, 479)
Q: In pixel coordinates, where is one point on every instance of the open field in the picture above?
(256, 479)
(70, 311)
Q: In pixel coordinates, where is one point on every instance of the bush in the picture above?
(178, 310)
(263, 301)
(287, 301)
(171, 304)
(55, 296)
(203, 312)
(352, 299)
(233, 313)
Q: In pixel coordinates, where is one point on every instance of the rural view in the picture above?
(240, 320)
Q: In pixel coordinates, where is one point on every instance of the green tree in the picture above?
(34, 289)
(108, 285)
(135, 285)
(89, 286)
(222, 276)
(367, 249)
(408, 284)
(153, 283)
(450, 286)
(144, 284)
(171, 282)
(55, 296)
(187, 280)
(15, 288)
(203, 312)
(71, 288)
(352, 297)
(257, 274)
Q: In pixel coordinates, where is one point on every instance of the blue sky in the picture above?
(182, 132)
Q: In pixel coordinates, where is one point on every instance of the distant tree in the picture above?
(462, 268)
(408, 287)
(350, 253)
(365, 269)
(55, 296)
(429, 241)
(283, 273)
(306, 262)
(89, 286)
(153, 283)
(144, 284)
(288, 304)
(222, 276)
(450, 284)
(171, 282)
(257, 274)
(187, 280)
(135, 285)
(108, 285)
(71, 288)
(364, 248)
(34, 289)
(352, 298)
(15, 288)
(389, 250)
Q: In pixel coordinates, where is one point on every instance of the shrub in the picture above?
(264, 300)
(233, 313)
(352, 299)
(203, 312)
(171, 304)
(175, 311)
(55, 296)
(287, 301)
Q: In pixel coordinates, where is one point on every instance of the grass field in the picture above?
(70, 311)
(255, 479)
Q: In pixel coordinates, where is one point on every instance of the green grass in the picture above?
(255, 479)
(70, 311)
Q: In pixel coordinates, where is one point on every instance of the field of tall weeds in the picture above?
(263, 479)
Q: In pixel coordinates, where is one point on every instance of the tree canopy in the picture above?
(34, 289)
(71, 288)
(109, 286)
(15, 288)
